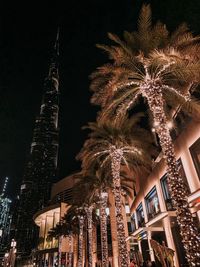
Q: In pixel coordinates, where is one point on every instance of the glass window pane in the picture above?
(140, 215)
(152, 203)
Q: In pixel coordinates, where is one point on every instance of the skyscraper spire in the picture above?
(56, 46)
(53, 69)
(41, 169)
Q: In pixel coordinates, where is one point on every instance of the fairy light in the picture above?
(170, 125)
(117, 155)
(80, 240)
(88, 211)
(103, 227)
(122, 109)
(152, 91)
(186, 97)
(70, 250)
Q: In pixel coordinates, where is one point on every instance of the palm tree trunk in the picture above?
(124, 260)
(103, 226)
(88, 211)
(189, 232)
(70, 249)
(80, 241)
(75, 249)
(59, 250)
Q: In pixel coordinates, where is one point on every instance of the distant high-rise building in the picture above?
(5, 216)
(41, 168)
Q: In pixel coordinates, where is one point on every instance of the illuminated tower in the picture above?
(41, 168)
(5, 217)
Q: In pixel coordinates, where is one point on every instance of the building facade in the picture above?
(52, 250)
(152, 213)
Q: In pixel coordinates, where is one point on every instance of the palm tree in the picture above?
(67, 227)
(94, 186)
(163, 69)
(86, 186)
(93, 189)
(110, 147)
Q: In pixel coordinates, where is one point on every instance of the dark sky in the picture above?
(27, 37)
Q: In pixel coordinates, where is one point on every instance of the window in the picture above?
(152, 203)
(166, 193)
(132, 224)
(140, 216)
(195, 153)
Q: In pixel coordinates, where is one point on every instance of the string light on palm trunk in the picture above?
(152, 90)
(88, 211)
(103, 227)
(116, 156)
(80, 240)
(70, 250)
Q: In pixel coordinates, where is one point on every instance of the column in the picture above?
(169, 237)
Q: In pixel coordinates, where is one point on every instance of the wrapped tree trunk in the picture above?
(88, 211)
(189, 232)
(103, 226)
(80, 240)
(70, 249)
(124, 260)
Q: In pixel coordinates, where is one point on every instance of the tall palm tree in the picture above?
(65, 228)
(163, 69)
(110, 147)
(93, 188)
(86, 186)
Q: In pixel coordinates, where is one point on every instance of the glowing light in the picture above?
(80, 240)
(103, 226)
(170, 124)
(88, 211)
(152, 91)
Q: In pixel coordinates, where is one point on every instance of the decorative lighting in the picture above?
(80, 240)
(88, 211)
(151, 89)
(117, 155)
(103, 227)
(70, 249)
(170, 125)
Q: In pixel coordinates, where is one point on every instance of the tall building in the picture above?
(5, 217)
(40, 171)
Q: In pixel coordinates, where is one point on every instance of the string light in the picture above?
(70, 250)
(103, 226)
(117, 155)
(151, 89)
(80, 240)
(88, 211)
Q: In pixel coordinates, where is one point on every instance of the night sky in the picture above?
(27, 37)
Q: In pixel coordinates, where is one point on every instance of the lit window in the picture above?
(140, 216)
(127, 208)
(152, 203)
(166, 193)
